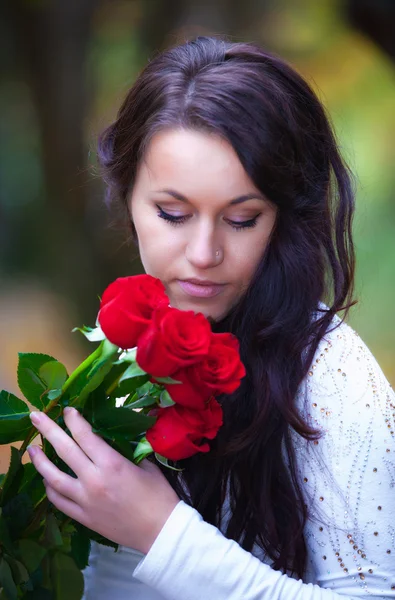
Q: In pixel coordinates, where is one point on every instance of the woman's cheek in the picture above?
(156, 260)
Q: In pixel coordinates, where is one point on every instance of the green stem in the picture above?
(114, 384)
(88, 361)
(30, 437)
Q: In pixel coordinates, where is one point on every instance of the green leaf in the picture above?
(52, 536)
(7, 580)
(93, 334)
(18, 570)
(147, 388)
(31, 384)
(32, 484)
(96, 537)
(96, 400)
(166, 380)
(111, 380)
(34, 585)
(123, 421)
(164, 461)
(30, 553)
(165, 399)
(141, 402)
(80, 549)
(14, 418)
(96, 373)
(54, 374)
(128, 356)
(13, 477)
(142, 450)
(108, 349)
(132, 371)
(112, 385)
(67, 579)
(119, 443)
(18, 513)
(5, 538)
(55, 412)
(128, 387)
(40, 593)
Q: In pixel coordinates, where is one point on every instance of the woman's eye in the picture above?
(171, 218)
(238, 225)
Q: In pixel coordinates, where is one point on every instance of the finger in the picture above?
(93, 445)
(67, 506)
(64, 446)
(61, 482)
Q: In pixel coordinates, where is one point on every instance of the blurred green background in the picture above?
(66, 65)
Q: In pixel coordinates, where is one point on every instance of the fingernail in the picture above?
(32, 450)
(68, 410)
(35, 417)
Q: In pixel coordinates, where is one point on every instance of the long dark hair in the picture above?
(284, 140)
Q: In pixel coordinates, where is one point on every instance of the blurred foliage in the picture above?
(65, 69)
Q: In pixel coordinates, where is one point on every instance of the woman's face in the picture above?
(202, 225)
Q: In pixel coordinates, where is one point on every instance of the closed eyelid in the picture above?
(238, 217)
(179, 220)
(172, 211)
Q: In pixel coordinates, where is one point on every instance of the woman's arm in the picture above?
(192, 560)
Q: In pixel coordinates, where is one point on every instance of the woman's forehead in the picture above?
(194, 160)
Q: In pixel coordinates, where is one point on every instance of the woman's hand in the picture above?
(125, 503)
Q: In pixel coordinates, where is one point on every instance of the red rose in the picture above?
(222, 370)
(174, 339)
(219, 372)
(179, 432)
(192, 393)
(126, 308)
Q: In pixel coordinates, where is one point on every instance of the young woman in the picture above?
(226, 165)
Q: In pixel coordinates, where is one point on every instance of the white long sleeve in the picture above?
(348, 481)
(349, 485)
(192, 560)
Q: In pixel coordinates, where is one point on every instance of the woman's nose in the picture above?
(203, 250)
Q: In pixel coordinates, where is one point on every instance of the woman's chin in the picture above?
(210, 313)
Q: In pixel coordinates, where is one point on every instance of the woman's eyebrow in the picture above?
(237, 200)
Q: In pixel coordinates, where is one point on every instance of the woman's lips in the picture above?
(201, 290)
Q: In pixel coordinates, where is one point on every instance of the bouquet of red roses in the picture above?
(149, 387)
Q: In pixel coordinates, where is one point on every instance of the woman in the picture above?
(238, 199)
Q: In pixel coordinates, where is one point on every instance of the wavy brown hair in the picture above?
(283, 138)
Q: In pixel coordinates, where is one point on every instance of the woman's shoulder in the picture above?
(347, 398)
(345, 377)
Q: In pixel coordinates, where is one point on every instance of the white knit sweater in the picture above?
(348, 479)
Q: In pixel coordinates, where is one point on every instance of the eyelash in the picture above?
(180, 220)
